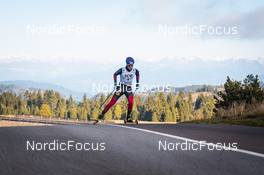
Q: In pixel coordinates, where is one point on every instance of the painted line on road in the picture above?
(189, 140)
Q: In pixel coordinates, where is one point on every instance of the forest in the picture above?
(157, 107)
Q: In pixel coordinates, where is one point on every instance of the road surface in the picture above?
(131, 149)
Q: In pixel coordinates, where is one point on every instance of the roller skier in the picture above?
(126, 75)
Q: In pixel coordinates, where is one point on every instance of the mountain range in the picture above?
(79, 76)
(19, 86)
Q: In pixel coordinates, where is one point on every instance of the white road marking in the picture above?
(189, 140)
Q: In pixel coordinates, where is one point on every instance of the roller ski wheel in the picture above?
(99, 120)
(95, 122)
(130, 121)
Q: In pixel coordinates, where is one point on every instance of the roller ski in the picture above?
(130, 121)
(99, 120)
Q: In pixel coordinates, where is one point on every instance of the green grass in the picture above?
(257, 122)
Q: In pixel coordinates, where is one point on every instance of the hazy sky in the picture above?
(76, 42)
(111, 30)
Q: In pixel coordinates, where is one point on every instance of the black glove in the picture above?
(116, 86)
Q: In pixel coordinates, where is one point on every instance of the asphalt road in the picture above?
(129, 151)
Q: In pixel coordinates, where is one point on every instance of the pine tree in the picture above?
(236, 92)
(175, 114)
(171, 100)
(154, 117)
(161, 104)
(190, 107)
(72, 108)
(86, 105)
(62, 109)
(95, 110)
(123, 105)
(183, 107)
(95, 113)
(208, 106)
(7, 103)
(22, 107)
(168, 114)
(36, 111)
(117, 112)
(82, 113)
(73, 112)
(39, 99)
(101, 99)
(149, 108)
(108, 115)
(251, 89)
(45, 110)
(135, 112)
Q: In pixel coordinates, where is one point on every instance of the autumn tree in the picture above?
(108, 115)
(72, 108)
(117, 112)
(95, 110)
(62, 108)
(45, 110)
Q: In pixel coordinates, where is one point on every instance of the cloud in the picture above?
(123, 35)
(177, 12)
(250, 24)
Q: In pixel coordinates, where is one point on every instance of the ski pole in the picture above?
(135, 91)
(107, 98)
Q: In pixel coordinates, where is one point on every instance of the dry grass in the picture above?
(238, 114)
(5, 123)
(241, 111)
(257, 122)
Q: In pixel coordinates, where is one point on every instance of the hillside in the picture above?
(19, 86)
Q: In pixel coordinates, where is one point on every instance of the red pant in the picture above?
(130, 97)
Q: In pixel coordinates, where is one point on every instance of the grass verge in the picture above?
(256, 122)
